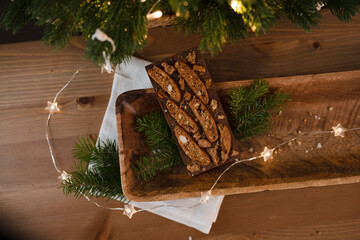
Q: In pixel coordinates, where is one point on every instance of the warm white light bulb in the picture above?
(205, 197)
(237, 6)
(234, 4)
(157, 14)
(52, 107)
(267, 154)
(129, 210)
(64, 176)
(154, 15)
(339, 130)
(319, 6)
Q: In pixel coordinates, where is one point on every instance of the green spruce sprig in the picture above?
(251, 107)
(125, 21)
(96, 170)
(155, 129)
(146, 167)
(164, 152)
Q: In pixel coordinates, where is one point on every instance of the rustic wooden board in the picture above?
(295, 166)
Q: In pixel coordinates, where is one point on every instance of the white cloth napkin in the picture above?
(132, 75)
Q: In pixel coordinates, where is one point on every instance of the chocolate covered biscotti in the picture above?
(193, 110)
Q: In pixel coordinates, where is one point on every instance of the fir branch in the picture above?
(188, 25)
(102, 179)
(126, 23)
(258, 16)
(164, 154)
(302, 13)
(184, 10)
(148, 166)
(91, 184)
(16, 17)
(60, 32)
(251, 108)
(155, 129)
(235, 25)
(213, 30)
(242, 97)
(84, 149)
(344, 10)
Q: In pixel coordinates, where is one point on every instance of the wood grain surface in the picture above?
(285, 51)
(31, 205)
(301, 164)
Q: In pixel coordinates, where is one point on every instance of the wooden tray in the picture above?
(296, 166)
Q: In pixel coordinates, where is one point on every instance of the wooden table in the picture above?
(31, 205)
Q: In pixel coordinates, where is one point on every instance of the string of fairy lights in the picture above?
(129, 209)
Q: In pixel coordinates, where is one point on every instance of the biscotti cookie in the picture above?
(207, 122)
(193, 111)
(193, 81)
(181, 117)
(191, 149)
(225, 140)
(165, 82)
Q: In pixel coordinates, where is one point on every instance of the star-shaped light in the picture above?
(129, 210)
(339, 130)
(205, 197)
(267, 154)
(52, 107)
(64, 176)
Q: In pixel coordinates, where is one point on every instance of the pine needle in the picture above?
(250, 108)
(102, 179)
(164, 154)
(148, 166)
(155, 129)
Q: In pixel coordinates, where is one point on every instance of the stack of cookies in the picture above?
(193, 110)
